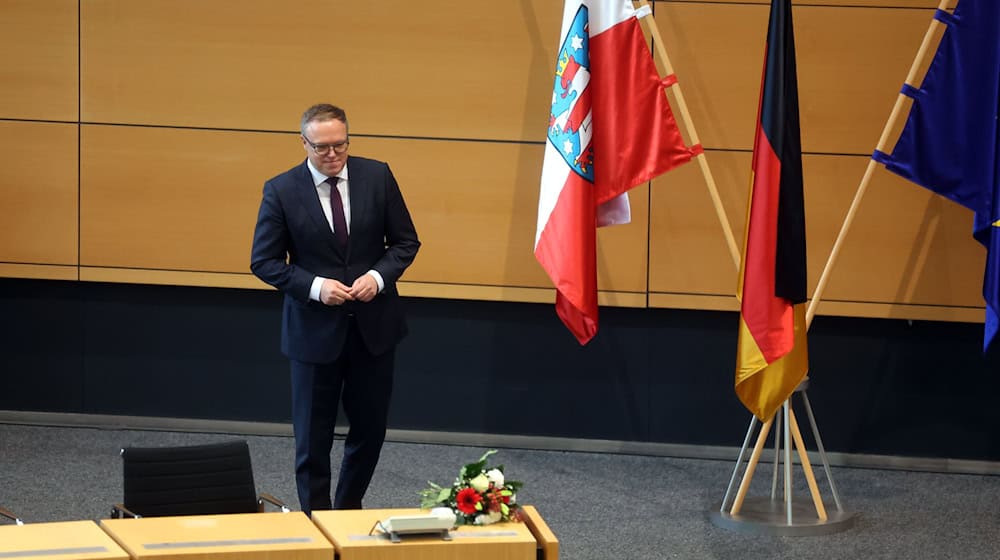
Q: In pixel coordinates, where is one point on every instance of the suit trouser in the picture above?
(364, 382)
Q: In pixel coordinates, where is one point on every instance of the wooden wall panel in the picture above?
(688, 252)
(445, 69)
(906, 245)
(173, 199)
(39, 60)
(193, 209)
(850, 69)
(475, 205)
(38, 194)
(171, 277)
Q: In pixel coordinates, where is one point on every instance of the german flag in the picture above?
(772, 357)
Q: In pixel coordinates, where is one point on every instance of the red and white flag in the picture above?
(610, 128)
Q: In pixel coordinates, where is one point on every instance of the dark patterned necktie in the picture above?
(337, 206)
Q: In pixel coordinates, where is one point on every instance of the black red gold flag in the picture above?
(772, 357)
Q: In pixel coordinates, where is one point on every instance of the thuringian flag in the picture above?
(951, 141)
(610, 128)
(772, 358)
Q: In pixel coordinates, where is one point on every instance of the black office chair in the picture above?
(215, 478)
(6, 513)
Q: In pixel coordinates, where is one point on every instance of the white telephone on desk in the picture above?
(439, 521)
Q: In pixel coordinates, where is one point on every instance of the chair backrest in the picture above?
(215, 478)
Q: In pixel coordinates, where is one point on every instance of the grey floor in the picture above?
(599, 505)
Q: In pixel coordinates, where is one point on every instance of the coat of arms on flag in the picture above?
(571, 117)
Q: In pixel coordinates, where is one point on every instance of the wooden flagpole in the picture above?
(751, 467)
(897, 109)
(806, 466)
(713, 191)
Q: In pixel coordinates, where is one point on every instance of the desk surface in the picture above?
(50, 541)
(274, 536)
(348, 530)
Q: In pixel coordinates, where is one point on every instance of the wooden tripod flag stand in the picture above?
(789, 517)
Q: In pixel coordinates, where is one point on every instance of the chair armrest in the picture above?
(265, 497)
(119, 511)
(11, 516)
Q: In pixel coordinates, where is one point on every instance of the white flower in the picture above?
(480, 483)
(496, 477)
(487, 518)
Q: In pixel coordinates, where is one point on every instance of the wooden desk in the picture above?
(58, 541)
(247, 536)
(348, 530)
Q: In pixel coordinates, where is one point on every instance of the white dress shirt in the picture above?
(323, 193)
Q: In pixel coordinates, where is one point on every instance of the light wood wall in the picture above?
(137, 135)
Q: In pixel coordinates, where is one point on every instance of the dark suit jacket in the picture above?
(293, 243)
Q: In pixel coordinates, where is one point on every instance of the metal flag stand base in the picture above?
(763, 516)
(787, 516)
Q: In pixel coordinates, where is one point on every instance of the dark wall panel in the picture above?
(184, 352)
(512, 368)
(892, 387)
(41, 348)
(905, 388)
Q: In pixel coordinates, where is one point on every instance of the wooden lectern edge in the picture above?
(129, 553)
(546, 539)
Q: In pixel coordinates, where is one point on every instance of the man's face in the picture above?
(326, 133)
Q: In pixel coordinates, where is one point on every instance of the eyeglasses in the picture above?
(323, 149)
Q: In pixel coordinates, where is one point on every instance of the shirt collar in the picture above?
(319, 178)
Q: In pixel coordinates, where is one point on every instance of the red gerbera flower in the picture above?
(466, 501)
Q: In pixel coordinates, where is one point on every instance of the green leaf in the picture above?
(472, 470)
(485, 455)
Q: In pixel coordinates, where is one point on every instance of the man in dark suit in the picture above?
(334, 235)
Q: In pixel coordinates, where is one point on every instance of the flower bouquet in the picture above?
(479, 496)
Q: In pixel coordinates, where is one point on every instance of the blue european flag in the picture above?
(950, 141)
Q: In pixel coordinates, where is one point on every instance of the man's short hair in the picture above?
(322, 112)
